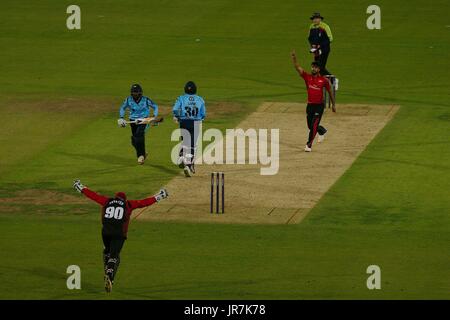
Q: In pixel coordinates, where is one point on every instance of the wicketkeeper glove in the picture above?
(162, 194)
(122, 123)
(78, 186)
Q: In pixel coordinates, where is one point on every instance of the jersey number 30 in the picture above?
(114, 212)
(191, 111)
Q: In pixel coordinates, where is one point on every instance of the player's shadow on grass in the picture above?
(374, 160)
(268, 82)
(120, 162)
(391, 99)
(165, 169)
(264, 96)
(55, 277)
(185, 290)
(106, 158)
(414, 144)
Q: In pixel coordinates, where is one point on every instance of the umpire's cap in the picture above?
(121, 195)
(190, 87)
(136, 88)
(316, 15)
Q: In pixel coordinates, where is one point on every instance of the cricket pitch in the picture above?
(303, 178)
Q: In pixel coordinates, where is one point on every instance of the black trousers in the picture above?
(189, 126)
(138, 138)
(322, 59)
(314, 114)
(111, 254)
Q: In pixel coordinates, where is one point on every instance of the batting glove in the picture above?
(122, 123)
(78, 186)
(162, 194)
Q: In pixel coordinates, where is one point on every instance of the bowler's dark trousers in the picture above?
(314, 114)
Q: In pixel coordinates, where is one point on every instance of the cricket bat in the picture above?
(154, 121)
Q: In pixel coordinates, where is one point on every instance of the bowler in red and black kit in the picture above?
(116, 213)
(315, 83)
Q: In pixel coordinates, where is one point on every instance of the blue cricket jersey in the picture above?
(140, 109)
(189, 107)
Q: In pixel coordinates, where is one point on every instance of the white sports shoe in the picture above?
(320, 138)
(141, 160)
(180, 162)
(187, 171)
(308, 149)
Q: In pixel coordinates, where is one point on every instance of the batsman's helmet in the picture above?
(136, 88)
(190, 88)
(121, 195)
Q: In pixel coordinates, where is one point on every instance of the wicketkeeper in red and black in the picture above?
(116, 212)
(315, 83)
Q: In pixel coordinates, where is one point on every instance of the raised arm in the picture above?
(101, 200)
(296, 65)
(135, 204)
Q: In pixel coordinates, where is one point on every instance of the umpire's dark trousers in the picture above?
(322, 59)
(138, 138)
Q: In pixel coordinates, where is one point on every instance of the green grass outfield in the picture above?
(390, 209)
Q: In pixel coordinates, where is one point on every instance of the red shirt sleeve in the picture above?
(134, 204)
(101, 200)
(304, 75)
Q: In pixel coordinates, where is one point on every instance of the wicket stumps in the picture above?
(217, 185)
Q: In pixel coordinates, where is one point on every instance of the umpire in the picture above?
(320, 38)
(139, 106)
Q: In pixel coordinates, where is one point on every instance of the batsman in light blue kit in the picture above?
(139, 107)
(189, 111)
